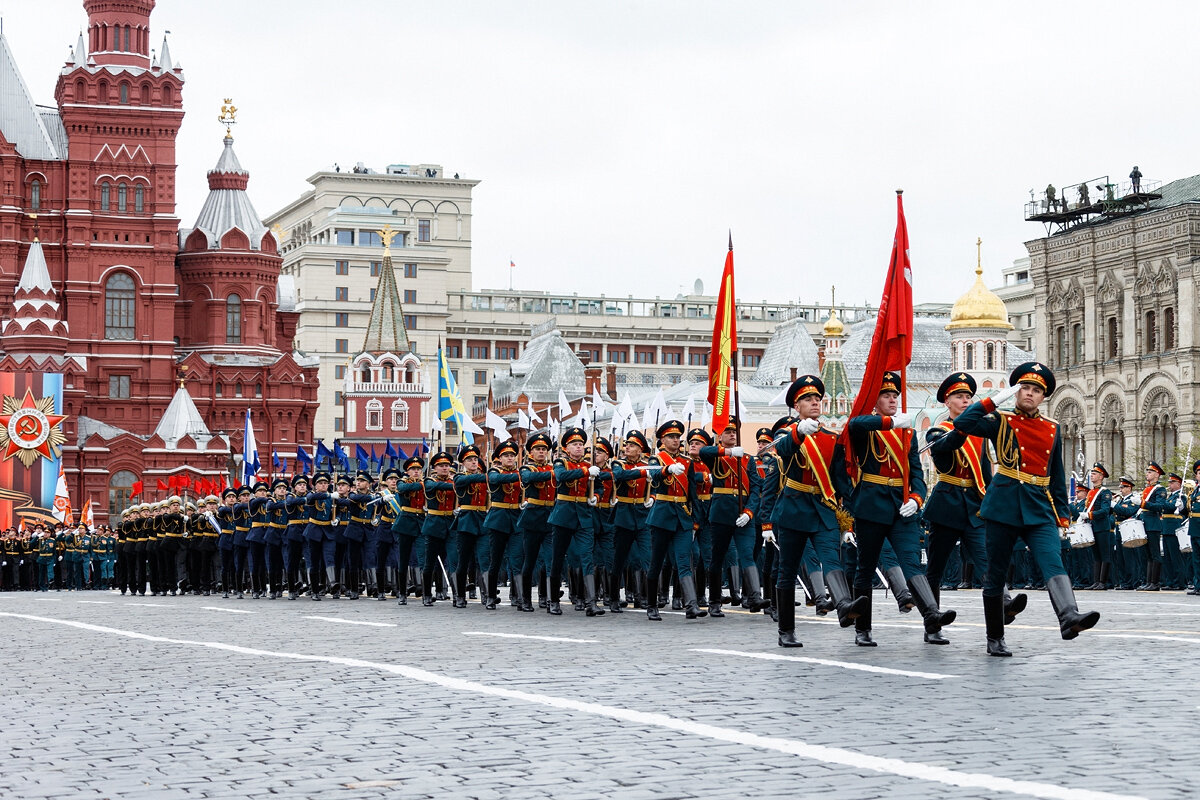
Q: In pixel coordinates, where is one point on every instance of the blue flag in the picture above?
(361, 458)
(324, 454)
(305, 461)
(401, 456)
(391, 454)
(343, 459)
(376, 464)
(424, 446)
(276, 464)
(450, 402)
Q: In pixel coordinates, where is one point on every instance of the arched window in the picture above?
(127, 38)
(990, 350)
(399, 415)
(139, 198)
(35, 194)
(119, 295)
(365, 374)
(105, 196)
(124, 93)
(233, 323)
(258, 390)
(1168, 328)
(1150, 337)
(102, 93)
(168, 95)
(1112, 337)
(970, 356)
(1076, 344)
(389, 372)
(122, 197)
(237, 389)
(120, 484)
(374, 415)
(1062, 346)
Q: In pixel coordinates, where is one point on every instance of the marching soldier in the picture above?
(1153, 504)
(277, 524)
(631, 477)
(297, 515)
(378, 552)
(767, 466)
(504, 509)
(361, 518)
(952, 510)
(537, 478)
(1172, 518)
(1132, 559)
(671, 522)
(471, 488)
(439, 517)
(604, 524)
(886, 501)
(1027, 499)
(573, 520)
(256, 538)
(320, 505)
(736, 489)
(702, 479)
(407, 527)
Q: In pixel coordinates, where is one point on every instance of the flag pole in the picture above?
(737, 403)
(904, 366)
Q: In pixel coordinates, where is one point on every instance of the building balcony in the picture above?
(388, 389)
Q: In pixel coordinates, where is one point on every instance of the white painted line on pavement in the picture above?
(355, 622)
(1147, 636)
(935, 676)
(96, 602)
(226, 610)
(815, 752)
(1119, 613)
(529, 636)
(148, 605)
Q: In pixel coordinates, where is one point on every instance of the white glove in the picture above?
(1115, 502)
(593, 471)
(848, 537)
(1179, 506)
(902, 420)
(742, 519)
(737, 452)
(768, 536)
(649, 502)
(1008, 394)
(524, 504)
(909, 509)
(60, 558)
(593, 500)
(676, 469)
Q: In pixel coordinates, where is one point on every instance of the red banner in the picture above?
(724, 349)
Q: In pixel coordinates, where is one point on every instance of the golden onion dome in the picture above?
(979, 307)
(833, 325)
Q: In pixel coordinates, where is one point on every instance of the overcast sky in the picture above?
(617, 142)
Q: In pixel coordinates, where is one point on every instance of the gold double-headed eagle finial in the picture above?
(387, 234)
(228, 116)
(279, 232)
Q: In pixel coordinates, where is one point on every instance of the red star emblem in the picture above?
(28, 428)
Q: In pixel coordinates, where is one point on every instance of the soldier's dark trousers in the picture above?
(905, 537)
(258, 567)
(533, 544)
(404, 548)
(1044, 549)
(435, 559)
(941, 544)
(583, 538)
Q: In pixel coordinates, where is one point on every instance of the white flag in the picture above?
(533, 414)
(497, 424)
(582, 420)
(689, 409)
(781, 398)
(564, 408)
(437, 424)
(523, 420)
(469, 426)
(598, 402)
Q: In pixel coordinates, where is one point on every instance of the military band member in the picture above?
(1153, 504)
(1027, 499)
(1098, 511)
(407, 527)
(886, 502)
(225, 540)
(474, 543)
(1172, 518)
(504, 509)
(206, 531)
(1193, 509)
(439, 518)
(537, 479)
(380, 542)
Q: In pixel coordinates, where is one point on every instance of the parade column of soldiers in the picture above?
(810, 504)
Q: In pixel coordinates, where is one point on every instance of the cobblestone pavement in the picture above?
(186, 697)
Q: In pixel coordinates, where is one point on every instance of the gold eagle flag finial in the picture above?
(387, 234)
(228, 117)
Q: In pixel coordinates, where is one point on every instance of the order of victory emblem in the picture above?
(29, 429)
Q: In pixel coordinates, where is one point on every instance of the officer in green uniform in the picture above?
(886, 502)
(504, 508)
(1027, 499)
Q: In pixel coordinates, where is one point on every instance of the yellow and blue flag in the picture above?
(450, 402)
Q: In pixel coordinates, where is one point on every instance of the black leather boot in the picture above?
(314, 582)
(787, 617)
(1070, 621)
(1105, 569)
(899, 587)
(935, 619)
(993, 617)
(525, 592)
(862, 624)
(692, 609)
(614, 593)
(589, 596)
(754, 600)
(847, 610)
(427, 588)
(1013, 605)
(652, 597)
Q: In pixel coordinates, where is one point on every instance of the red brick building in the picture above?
(118, 298)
